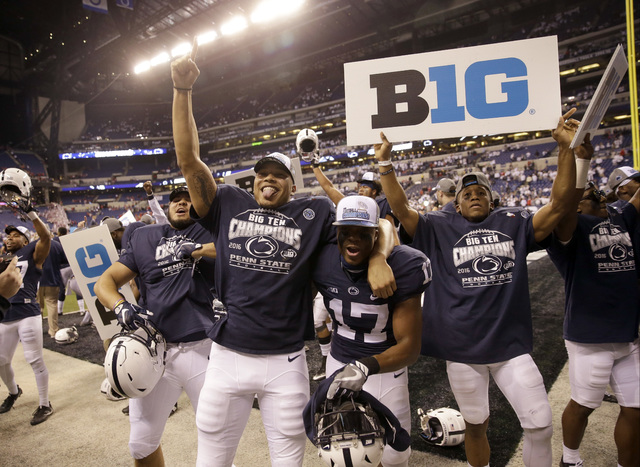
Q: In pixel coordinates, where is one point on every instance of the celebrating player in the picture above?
(593, 250)
(377, 338)
(23, 321)
(476, 314)
(178, 295)
(265, 245)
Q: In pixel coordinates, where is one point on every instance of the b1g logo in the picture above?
(400, 104)
(93, 261)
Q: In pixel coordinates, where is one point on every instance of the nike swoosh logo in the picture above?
(293, 358)
(398, 375)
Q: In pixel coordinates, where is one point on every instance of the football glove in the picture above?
(130, 316)
(350, 379)
(185, 250)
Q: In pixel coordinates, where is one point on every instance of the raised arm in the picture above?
(109, 283)
(332, 192)
(202, 186)
(154, 205)
(396, 196)
(563, 191)
(43, 246)
(567, 225)
(379, 275)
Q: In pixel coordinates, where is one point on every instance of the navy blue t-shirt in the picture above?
(477, 309)
(178, 295)
(56, 260)
(263, 268)
(24, 303)
(602, 300)
(362, 322)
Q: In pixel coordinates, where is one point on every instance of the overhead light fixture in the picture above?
(207, 37)
(181, 50)
(592, 66)
(270, 10)
(142, 67)
(159, 59)
(233, 26)
(621, 117)
(570, 71)
(524, 133)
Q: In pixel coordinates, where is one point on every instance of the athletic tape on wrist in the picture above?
(384, 163)
(582, 172)
(32, 215)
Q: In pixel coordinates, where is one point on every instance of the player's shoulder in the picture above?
(316, 204)
(403, 255)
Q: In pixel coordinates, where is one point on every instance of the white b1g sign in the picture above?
(496, 88)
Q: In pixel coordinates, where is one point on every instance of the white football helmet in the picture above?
(16, 180)
(307, 145)
(108, 392)
(349, 434)
(66, 335)
(135, 361)
(442, 427)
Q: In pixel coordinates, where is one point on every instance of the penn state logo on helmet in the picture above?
(349, 433)
(135, 361)
(66, 335)
(442, 427)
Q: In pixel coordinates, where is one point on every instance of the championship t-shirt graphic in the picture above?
(484, 258)
(263, 240)
(612, 248)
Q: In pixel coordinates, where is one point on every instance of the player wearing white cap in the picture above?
(376, 338)
(476, 313)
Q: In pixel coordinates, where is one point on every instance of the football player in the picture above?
(265, 244)
(593, 251)
(377, 338)
(23, 320)
(179, 300)
(477, 314)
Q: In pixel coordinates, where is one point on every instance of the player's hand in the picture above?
(147, 188)
(185, 250)
(566, 129)
(585, 150)
(380, 277)
(184, 71)
(350, 379)
(130, 316)
(10, 279)
(383, 150)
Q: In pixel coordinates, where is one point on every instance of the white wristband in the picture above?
(582, 171)
(384, 163)
(32, 215)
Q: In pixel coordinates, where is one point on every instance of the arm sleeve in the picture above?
(158, 212)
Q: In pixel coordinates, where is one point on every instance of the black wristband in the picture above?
(182, 89)
(315, 165)
(151, 196)
(371, 363)
(387, 172)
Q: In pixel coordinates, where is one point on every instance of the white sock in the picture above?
(570, 456)
(81, 304)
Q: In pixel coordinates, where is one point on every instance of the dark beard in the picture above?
(181, 225)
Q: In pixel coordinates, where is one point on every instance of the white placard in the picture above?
(90, 252)
(603, 96)
(497, 88)
(244, 179)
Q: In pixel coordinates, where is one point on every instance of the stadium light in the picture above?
(181, 49)
(142, 67)
(158, 59)
(207, 37)
(270, 10)
(570, 71)
(233, 26)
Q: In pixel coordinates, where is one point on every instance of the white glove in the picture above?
(350, 379)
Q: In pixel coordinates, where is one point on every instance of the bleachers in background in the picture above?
(31, 162)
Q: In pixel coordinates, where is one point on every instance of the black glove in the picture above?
(186, 249)
(130, 316)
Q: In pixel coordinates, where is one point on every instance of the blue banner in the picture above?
(99, 6)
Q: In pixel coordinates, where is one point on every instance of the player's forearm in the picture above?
(398, 200)
(401, 355)
(208, 250)
(185, 131)
(332, 192)
(106, 290)
(158, 212)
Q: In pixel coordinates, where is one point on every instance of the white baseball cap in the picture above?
(621, 176)
(279, 159)
(360, 211)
